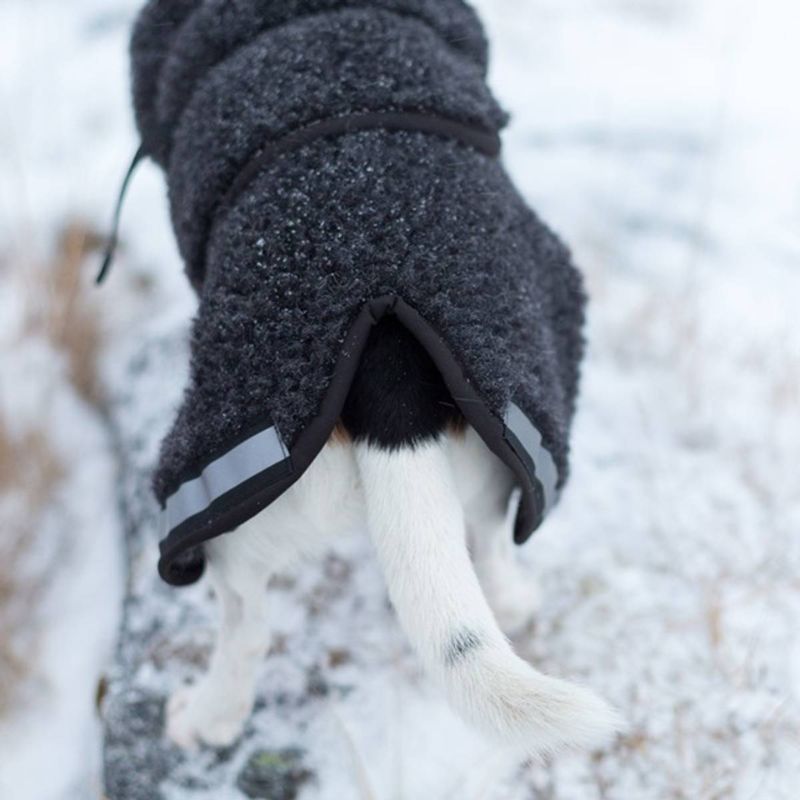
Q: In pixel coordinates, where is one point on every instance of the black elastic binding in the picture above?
(470, 135)
(113, 239)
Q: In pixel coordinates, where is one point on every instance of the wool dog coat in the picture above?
(330, 162)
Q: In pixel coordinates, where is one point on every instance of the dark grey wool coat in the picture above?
(330, 162)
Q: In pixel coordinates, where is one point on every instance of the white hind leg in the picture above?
(417, 526)
(512, 592)
(485, 488)
(213, 710)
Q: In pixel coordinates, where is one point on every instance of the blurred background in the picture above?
(660, 137)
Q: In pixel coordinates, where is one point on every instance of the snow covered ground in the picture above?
(660, 137)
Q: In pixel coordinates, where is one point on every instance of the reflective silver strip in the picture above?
(530, 438)
(245, 461)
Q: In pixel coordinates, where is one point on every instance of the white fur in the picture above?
(413, 501)
(490, 506)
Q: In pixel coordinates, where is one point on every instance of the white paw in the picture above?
(198, 714)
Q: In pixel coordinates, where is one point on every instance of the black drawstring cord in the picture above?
(113, 239)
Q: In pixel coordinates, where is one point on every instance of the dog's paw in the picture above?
(199, 715)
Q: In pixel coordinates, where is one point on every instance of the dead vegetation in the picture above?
(29, 474)
(60, 309)
(56, 310)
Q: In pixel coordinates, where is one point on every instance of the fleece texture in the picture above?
(284, 270)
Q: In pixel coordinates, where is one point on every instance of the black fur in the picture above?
(460, 646)
(398, 397)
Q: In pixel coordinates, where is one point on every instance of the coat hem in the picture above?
(182, 561)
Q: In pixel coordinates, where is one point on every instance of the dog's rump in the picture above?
(339, 223)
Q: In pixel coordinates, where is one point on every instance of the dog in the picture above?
(431, 495)
(387, 338)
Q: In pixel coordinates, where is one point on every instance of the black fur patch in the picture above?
(398, 397)
(461, 645)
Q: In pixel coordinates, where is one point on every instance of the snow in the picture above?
(50, 749)
(659, 137)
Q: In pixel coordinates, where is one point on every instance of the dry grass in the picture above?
(30, 473)
(60, 309)
(57, 310)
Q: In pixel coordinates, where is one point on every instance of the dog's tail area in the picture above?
(417, 524)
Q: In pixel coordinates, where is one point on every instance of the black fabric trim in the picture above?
(486, 142)
(223, 515)
(521, 532)
(251, 497)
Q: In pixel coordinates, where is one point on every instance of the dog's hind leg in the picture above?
(214, 710)
(485, 486)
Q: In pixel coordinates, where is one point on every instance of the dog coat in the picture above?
(331, 162)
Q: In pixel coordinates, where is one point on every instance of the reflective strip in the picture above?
(245, 461)
(530, 438)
